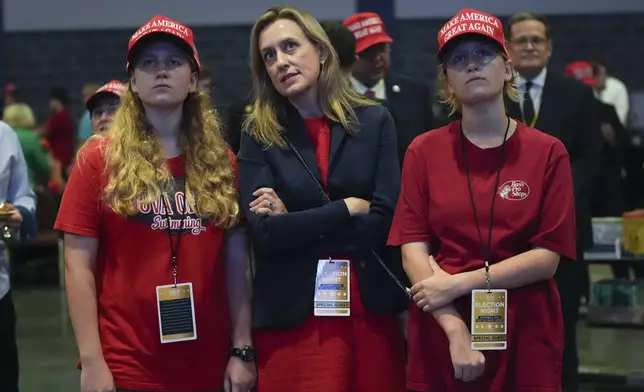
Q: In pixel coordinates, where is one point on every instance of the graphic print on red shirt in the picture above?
(172, 209)
(534, 208)
(133, 258)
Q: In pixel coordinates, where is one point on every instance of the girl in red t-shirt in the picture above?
(153, 260)
(486, 204)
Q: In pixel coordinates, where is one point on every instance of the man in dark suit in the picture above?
(344, 43)
(607, 203)
(409, 101)
(611, 200)
(565, 108)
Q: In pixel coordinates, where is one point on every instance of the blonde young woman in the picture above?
(319, 178)
(21, 118)
(157, 275)
(485, 212)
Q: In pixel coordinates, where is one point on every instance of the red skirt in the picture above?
(362, 352)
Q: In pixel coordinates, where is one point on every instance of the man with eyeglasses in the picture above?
(565, 108)
(409, 102)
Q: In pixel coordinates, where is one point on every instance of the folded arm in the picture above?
(288, 231)
(416, 264)
(521, 270)
(370, 231)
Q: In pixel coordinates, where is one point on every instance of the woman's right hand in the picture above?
(357, 206)
(468, 364)
(96, 377)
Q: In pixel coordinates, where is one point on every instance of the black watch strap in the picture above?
(245, 353)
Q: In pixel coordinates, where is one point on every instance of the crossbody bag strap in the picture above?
(323, 192)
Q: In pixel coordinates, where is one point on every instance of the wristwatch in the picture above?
(246, 353)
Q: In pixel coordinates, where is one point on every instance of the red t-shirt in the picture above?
(534, 207)
(60, 134)
(133, 258)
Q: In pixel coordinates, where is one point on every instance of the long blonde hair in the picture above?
(449, 99)
(138, 173)
(335, 94)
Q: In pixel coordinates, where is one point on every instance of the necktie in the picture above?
(528, 105)
(370, 94)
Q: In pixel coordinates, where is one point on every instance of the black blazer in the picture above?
(288, 246)
(568, 112)
(608, 115)
(411, 105)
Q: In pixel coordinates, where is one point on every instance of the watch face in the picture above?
(248, 353)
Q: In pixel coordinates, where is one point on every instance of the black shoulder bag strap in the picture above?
(323, 192)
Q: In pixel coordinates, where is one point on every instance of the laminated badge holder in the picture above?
(323, 192)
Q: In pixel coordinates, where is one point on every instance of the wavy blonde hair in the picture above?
(335, 94)
(449, 99)
(138, 172)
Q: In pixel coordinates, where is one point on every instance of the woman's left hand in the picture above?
(240, 376)
(267, 203)
(436, 291)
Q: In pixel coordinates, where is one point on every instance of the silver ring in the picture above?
(270, 205)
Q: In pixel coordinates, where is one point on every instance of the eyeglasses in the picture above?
(481, 56)
(107, 109)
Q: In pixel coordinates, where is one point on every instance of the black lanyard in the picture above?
(485, 251)
(174, 247)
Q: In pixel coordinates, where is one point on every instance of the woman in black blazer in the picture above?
(319, 179)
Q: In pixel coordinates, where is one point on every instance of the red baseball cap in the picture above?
(163, 25)
(469, 21)
(114, 87)
(368, 29)
(582, 70)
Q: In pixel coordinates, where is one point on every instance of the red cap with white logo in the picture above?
(469, 21)
(114, 87)
(583, 71)
(163, 25)
(368, 29)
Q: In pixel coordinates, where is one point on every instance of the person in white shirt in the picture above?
(15, 194)
(612, 91)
